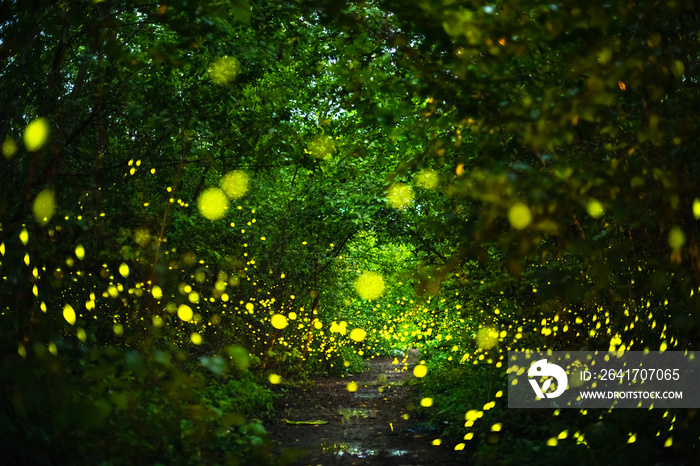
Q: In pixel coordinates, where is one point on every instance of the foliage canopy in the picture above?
(200, 197)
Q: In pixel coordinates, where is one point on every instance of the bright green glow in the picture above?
(399, 196)
(9, 148)
(212, 204)
(44, 206)
(279, 321)
(235, 184)
(595, 208)
(36, 134)
(224, 70)
(184, 312)
(69, 314)
(369, 285)
(322, 147)
(676, 238)
(519, 216)
(428, 179)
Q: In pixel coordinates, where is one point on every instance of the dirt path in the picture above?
(366, 427)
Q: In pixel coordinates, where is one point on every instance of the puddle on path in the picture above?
(351, 449)
(363, 413)
(355, 449)
(397, 452)
(367, 427)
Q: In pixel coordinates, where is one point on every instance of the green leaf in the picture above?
(312, 423)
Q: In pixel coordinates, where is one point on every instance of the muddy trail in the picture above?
(371, 426)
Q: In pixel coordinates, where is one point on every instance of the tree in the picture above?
(181, 179)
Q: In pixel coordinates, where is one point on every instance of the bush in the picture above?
(455, 389)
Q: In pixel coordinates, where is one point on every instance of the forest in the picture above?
(218, 215)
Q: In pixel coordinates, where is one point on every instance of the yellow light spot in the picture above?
(2, 249)
(53, 349)
(279, 321)
(157, 321)
(224, 70)
(428, 179)
(563, 434)
(351, 387)
(678, 68)
(676, 238)
(369, 285)
(420, 371)
(497, 427)
(696, 209)
(22, 351)
(274, 379)
(437, 442)
(196, 338)
(80, 252)
(124, 270)
(249, 307)
(459, 446)
(118, 329)
(26, 259)
(632, 439)
(519, 216)
(212, 204)
(321, 147)
(318, 325)
(235, 184)
(595, 208)
(184, 312)
(292, 316)
(426, 402)
(157, 292)
(69, 314)
(9, 148)
(399, 196)
(471, 415)
(142, 236)
(460, 169)
(82, 335)
(486, 337)
(668, 442)
(552, 442)
(24, 236)
(44, 206)
(357, 334)
(36, 134)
